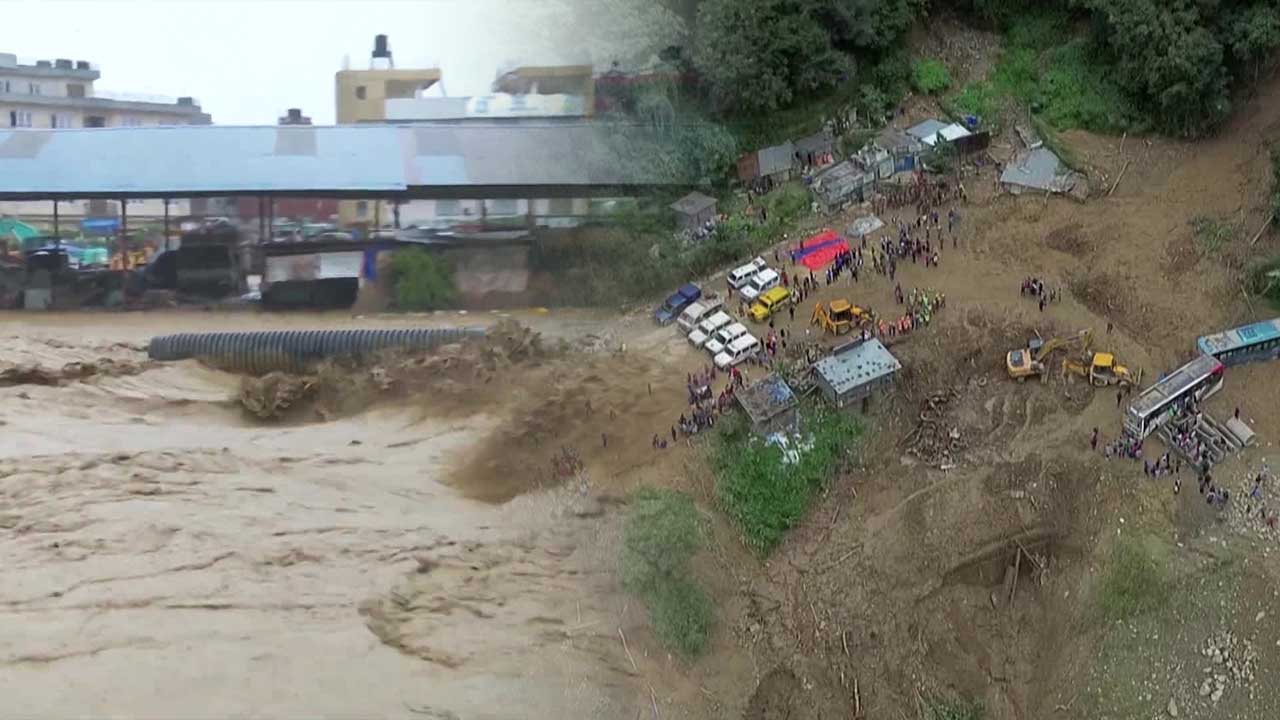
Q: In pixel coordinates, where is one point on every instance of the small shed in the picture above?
(855, 371)
(776, 162)
(927, 131)
(749, 167)
(1040, 170)
(903, 148)
(693, 210)
(810, 150)
(770, 404)
(840, 185)
(875, 161)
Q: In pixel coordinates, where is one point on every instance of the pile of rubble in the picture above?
(79, 370)
(1233, 661)
(1254, 517)
(933, 440)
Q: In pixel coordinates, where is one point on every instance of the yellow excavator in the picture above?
(1101, 369)
(839, 316)
(1029, 362)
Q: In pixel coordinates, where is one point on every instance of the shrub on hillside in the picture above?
(930, 76)
(421, 280)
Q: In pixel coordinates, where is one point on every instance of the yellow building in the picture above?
(361, 96)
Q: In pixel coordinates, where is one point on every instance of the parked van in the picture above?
(741, 276)
(698, 312)
(737, 351)
(708, 327)
(723, 337)
(769, 302)
(763, 280)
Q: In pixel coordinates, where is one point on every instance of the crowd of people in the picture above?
(1036, 288)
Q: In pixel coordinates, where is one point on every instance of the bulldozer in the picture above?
(1101, 369)
(1029, 362)
(839, 317)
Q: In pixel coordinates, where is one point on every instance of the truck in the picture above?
(676, 302)
(698, 312)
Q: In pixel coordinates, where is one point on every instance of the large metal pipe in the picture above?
(297, 350)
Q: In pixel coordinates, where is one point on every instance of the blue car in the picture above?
(676, 303)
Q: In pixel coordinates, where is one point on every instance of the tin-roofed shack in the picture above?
(855, 371)
(693, 210)
(770, 404)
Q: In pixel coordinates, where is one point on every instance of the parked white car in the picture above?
(698, 312)
(763, 280)
(740, 276)
(709, 327)
(719, 341)
(737, 351)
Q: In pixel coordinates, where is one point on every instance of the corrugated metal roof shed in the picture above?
(839, 182)
(926, 130)
(776, 159)
(868, 361)
(767, 399)
(693, 203)
(218, 160)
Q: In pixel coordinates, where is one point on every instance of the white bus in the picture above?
(1159, 403)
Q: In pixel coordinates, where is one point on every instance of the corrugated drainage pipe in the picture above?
(296, 350)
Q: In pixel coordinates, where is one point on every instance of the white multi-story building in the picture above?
(60, 94)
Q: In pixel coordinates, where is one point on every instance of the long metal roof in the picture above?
(406, 160)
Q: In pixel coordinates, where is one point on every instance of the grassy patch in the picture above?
(663, 532)
(930, 76)
(764, 494)
(1134, 581)
(1060, 74)
(954, 710)
(1212, 234)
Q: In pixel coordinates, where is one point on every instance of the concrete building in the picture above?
(361, 96)
(855, 371)
(60, 94)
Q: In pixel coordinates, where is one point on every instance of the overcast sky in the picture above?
(246, 61)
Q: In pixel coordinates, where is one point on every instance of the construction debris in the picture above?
(932, 440)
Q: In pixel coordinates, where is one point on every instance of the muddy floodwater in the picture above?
(165, 556)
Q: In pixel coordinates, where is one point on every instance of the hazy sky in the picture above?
(246, 61)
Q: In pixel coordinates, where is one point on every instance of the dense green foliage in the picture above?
(421, 280)
(930, 76)
(1133, 582)
(759, 55)
(661, 536)
(763, 494)
(1112, 65)
(1065, 77)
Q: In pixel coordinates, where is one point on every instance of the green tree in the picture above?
(1169, 59)
(421, 280)
(759, 55)
(857, 25)
(1252, 34)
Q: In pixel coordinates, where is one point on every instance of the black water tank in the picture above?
(380, 49)
(62, 64)
(82, 65)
